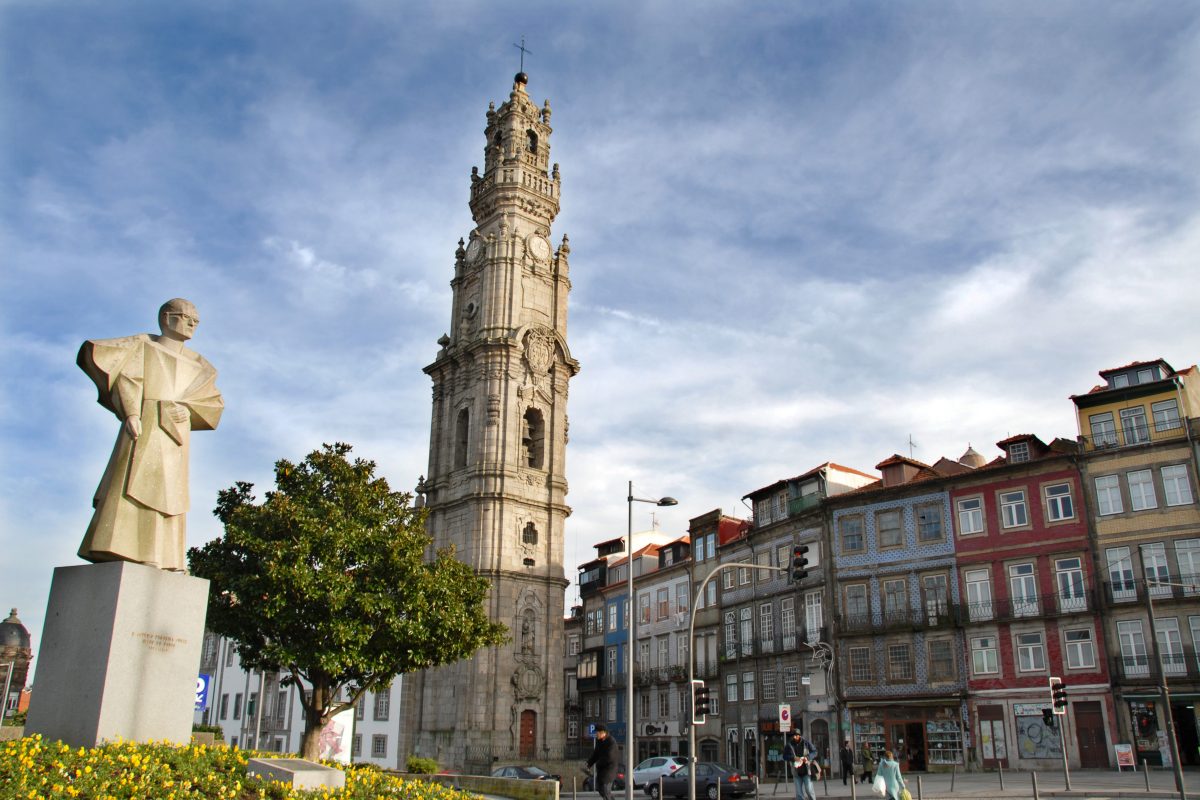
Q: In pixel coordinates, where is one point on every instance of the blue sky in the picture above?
(800, 231)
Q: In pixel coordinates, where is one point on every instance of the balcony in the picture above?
(1183, 663)
(1073, 601)
(1131, 434)
(779, 644)
(935, 615)
(1134, 591)
(803, 503)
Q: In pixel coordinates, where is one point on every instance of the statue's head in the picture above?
(178, 318)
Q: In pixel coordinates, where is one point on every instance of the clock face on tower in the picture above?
(474, 250)
(539, 248)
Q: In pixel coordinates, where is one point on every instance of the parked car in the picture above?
(708, 775)
(527, 772)
(651, 768)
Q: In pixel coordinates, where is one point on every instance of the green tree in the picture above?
(326, 581)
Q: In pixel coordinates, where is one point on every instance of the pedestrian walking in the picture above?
(801, 754)
(868, 762)
(604, 759)
(889, 772)
(847, 758)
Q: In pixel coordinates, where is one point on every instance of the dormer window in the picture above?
(1120, 381)
(1146, 375)
(1018, 452)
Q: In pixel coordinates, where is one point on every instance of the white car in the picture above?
(648, 771)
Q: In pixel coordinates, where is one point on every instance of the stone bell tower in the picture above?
(497, 482)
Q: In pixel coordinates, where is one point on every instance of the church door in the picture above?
(528, 734)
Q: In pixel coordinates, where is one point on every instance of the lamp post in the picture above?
(1164, 692)
(630, 630)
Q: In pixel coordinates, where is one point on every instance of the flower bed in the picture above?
(35, 769)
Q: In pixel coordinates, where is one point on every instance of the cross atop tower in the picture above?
(523, 50)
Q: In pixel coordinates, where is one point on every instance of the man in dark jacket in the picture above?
(800, 753)
(847, 757)
(604, 759)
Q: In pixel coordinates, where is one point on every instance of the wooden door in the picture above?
(993, 746)
(528, 734)
(1089, 730)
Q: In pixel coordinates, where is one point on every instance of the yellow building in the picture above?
(1139, 468)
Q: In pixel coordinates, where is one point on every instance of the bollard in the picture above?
(953, 775)
(574, 791)
(853, 788)
(1036, 796)
(660, 794)
(1146, 773)
(718, 788)
(1001, 771)
(920, 789)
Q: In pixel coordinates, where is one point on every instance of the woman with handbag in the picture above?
(888, 775)
(868, 764)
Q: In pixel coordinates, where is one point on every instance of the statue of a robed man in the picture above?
(160, 391)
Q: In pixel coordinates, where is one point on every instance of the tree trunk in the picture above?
(310, 742)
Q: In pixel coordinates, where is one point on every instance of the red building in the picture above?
(1030, 609)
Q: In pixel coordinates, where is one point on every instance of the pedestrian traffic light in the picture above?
(1048, 717)
(1058, 695)
(799, 563)
(700, 702)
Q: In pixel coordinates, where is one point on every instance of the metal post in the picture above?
(953, 775)
(853, 788)
(1165, 693)
(1146, 773)
(630, 644)
(920, 788)
(1036, 796)
(1000, 769)
(660, 779)
(1062, 743)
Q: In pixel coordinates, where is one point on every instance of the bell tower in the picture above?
(497, 483)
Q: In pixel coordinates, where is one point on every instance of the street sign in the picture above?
(785, 717)
(592, 730)
(202, 682)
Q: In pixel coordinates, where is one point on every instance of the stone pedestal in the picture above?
(120, 654)
(297, 773)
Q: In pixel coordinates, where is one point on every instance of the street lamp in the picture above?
(631, 628)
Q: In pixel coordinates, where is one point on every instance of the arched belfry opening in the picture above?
(533, 438)
(531, 141)
(462, 435)
(530, 534)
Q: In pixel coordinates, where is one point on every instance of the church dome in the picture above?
(972, 458)
(13, 633)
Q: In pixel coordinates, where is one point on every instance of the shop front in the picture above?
(1149, 727)
(922, 737)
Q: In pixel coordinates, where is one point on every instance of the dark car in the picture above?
(527, 772)
(708, 775)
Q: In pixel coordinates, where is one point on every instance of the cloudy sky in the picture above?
(800, 231)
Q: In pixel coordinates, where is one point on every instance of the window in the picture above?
(711, 594)
(1187, 556)
(1154, 565)
(929, 523)
(763, 559)
(681, 598)
(611, 707)
(769, 694)
(664, 703)
(743, 574)
(1170, 645)
(1120, 573)
(1166, 415)
(766, 626)
(970, 515)
(887, 525)
(900, 666)
(379, 745)
(1133, 425)
(714, 704)
(225, 706)
(356, 746)
(730, 634)
(1023, 586)
(783, 555)
(573, 646)
(941, 660)
(1018, 452)
(1141, 490)
(983, 656)
(1013, 511)
(1059, 505)
(1068, 574)
(791, 685)
(572, 730)
(664, 603)
(529, 535)
(727, 579)
(681, 650)
(895, 604)
(979, 594)
(612, 661)
(746, 630)
(229, 654)
(360, 707)
(1081, 653)
(860, 664)
(237, 706)
(731, 688)
(747, 685)
(814, 616)
(856, 601)
(643, 656)
(1176, 487)
(787, 622)
(383, 704)
(1120, 381)
(664, 651)
(644, 705)
(1133, 647)
(850, 531)
(937, 596)
(1108, 495)
(1104, 432)
(1031, 652)
(644, 607)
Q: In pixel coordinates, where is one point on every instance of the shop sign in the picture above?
(1125, 756)
(1029, 709)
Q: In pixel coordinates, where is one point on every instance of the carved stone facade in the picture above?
(496, 487)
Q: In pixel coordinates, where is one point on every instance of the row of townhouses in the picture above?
(939, 600)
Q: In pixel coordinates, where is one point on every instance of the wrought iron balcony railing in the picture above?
(1168, 588)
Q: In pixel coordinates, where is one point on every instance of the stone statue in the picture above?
(160, 391)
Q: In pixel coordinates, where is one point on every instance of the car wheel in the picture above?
(711, 793)
(653, 791)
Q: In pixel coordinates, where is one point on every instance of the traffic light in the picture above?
(1058, 695)
(799, 563)
(1048, 717)
(700, 702)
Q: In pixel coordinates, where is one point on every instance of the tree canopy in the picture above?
(327, 581)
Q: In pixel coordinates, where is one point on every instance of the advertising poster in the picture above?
(337, 736)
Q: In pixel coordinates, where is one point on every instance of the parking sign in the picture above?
(785, 717)
(202, 682)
